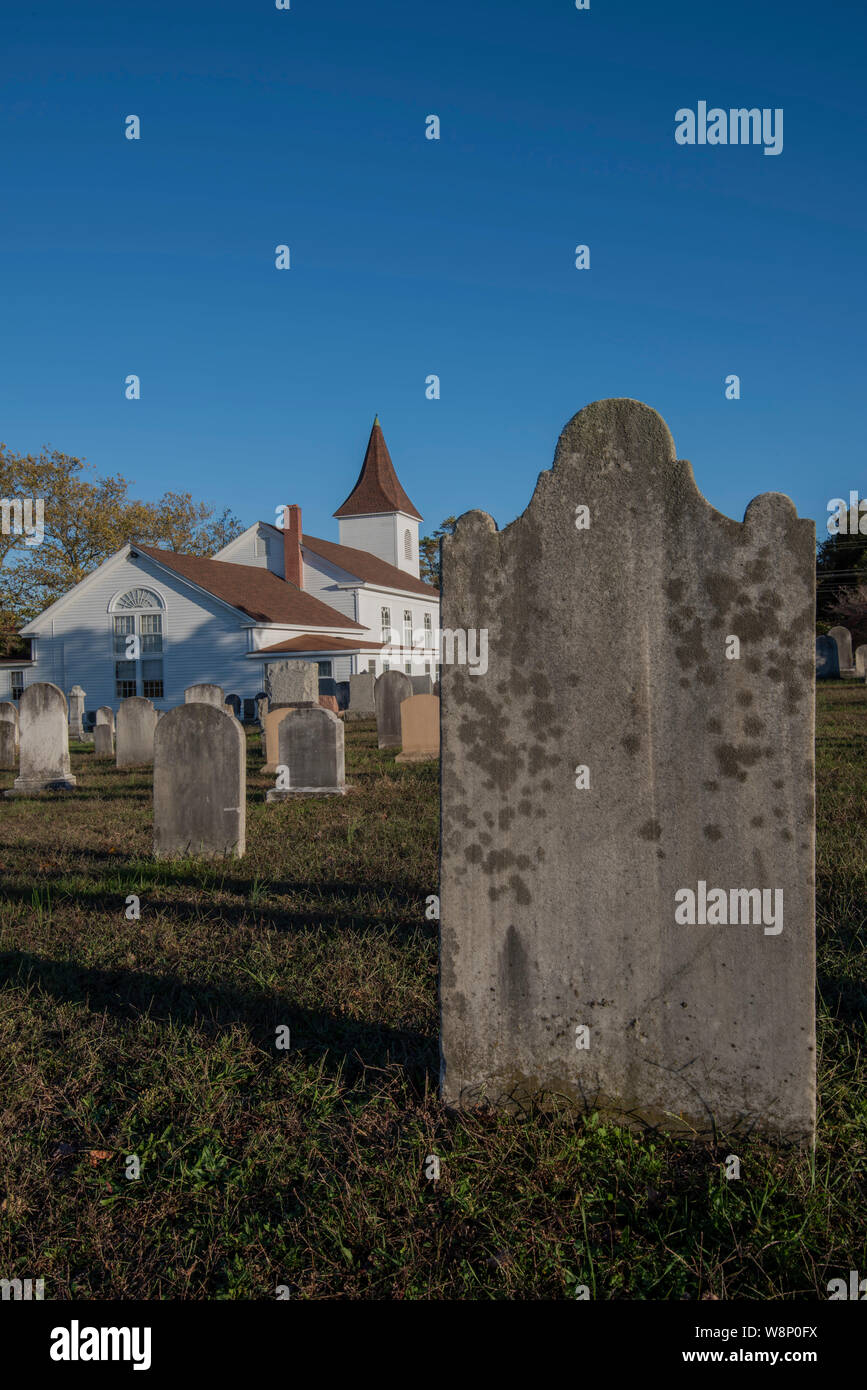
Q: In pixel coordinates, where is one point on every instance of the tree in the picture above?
(850, 610)
(84, 523)
(840, 564)
(429, 552)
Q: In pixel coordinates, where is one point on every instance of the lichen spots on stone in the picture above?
(632, 743)
(757, 822)
(753, 726)
(711, 786)
(745, 698)
(714, 726)
(650, 830)
(712, 832)
(732, 760)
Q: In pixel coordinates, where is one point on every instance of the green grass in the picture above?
(305, 1167)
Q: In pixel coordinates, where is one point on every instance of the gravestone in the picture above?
(329, 702)
(389, 692)
(9, 715)
(77, 698)
(342, 694)
(261, 710)
(843, 637)
(199, 783)
(103, 741)
(860, 662)
(311, 748)
(361, 703)
(8, 745)
(232, 704)
(204, 694)
(592, 806)
(273, 719)
(104, 715)
(827, 659)
(134, 732)
(291, 683)
(43, 733)
(422, 685)
(249, 711)
(436, 689)
(419, 729)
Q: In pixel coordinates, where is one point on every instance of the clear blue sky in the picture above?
(412, 257)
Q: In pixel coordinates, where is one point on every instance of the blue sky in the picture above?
(411, 257)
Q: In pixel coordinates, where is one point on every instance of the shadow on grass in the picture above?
(350, 1045)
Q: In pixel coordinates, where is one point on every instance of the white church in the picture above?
(269, 595)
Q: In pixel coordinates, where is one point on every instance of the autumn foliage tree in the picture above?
(87, 519)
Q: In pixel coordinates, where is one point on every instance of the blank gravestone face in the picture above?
(273, 719)
(105, 715)
(627, 885)
(136, 724)
(391, 689)
(311, 748)
(361, 704)
(419, 729)
(8, 745)
(204, 694)
(422, 685)
(44, 741)
(827, 659)
(843, 637)
(103, 741)
(861, 661)
(291, 682)
(9, 715)
(199, 783)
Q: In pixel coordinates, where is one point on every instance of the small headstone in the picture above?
(8, 745)
(261, 709)
(9, 715)
(329, 702)
(233, 704)
(249, 711)
(342, 693)
(627, 907)
(311, 748)
(291, 683)
(44, 741)
(77, 698)
(827, 659)
(843, 637)
(204, 694)
(104, 715)
(422, 685)
(136, 723)
(103, 741)
(361, 702)
(419, 729)
(391, 689)
(273, 719)
(199, 783)
(861, 661)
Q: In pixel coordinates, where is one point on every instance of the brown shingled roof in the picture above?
(368, 567)
(263, 596)
(319, 642)
(377, 489)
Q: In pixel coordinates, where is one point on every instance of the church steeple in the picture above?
(377, 491)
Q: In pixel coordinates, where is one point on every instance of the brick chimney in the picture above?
(292, 546)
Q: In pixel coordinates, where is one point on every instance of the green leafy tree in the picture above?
(86, 519)
(429, 552)
(841, 566)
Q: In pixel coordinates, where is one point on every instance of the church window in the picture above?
(428, 631)
(385, 614)
(138, 668)
(407, 628)
(407, 544)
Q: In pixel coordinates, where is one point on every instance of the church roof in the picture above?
(263, 596)
(377, 489)
(320, 642)
(367, 567)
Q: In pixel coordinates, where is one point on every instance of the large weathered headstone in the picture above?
(136, 723)
(103, 741)
(419, 729)
(827, 659)
(422, 685)
(273, 719)
(199, 783)
(861, 661)
(204, 694)
(311, 750)
(44, 741)
(843, 637)
(291, 683)
(77, 697)
(389, 692)
(603, 819)
(361, 705)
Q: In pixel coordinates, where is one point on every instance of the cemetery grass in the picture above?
(306, 1167)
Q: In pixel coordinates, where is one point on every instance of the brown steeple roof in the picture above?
(377, 489)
